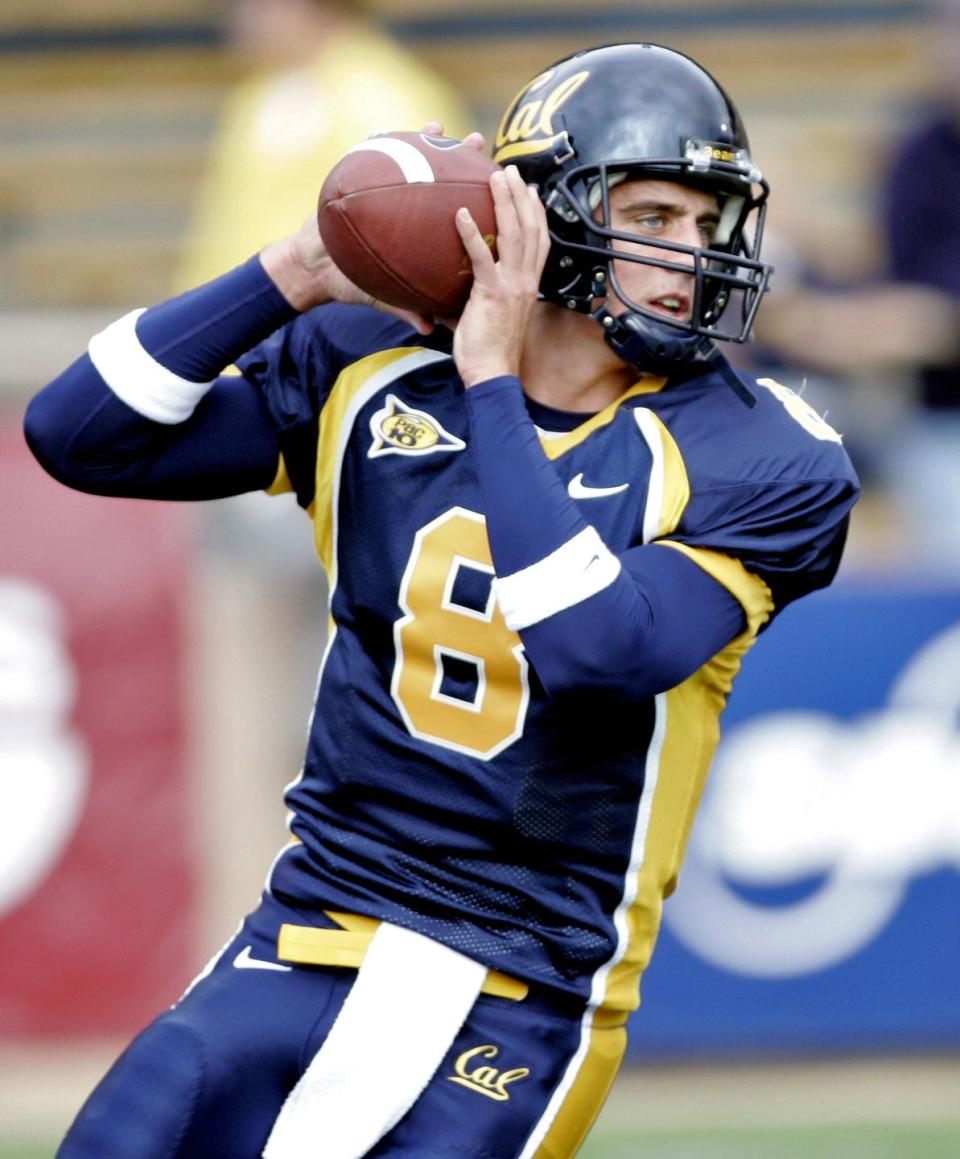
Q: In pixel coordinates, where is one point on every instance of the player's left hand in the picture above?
(490, 334)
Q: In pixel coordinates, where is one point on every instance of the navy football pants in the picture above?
(207, 1079)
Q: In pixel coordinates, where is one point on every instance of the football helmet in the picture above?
(640, 111)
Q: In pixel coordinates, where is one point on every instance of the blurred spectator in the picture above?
(323, 77)
(909, 322)
(921, 201)
(922, 221)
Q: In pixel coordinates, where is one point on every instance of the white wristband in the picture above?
(578, 569)
(136, 377)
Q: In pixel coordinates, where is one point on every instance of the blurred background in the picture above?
(157, 662)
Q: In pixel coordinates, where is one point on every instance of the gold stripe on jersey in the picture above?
(281, 484)
(674, 482)
(559, 445)
(685, 738)
(588, 1090)
(690, 737)
(330, 445)
(747, 588)
(355, 386)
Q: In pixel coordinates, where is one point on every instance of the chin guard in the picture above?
(660, 349)
(648, 345)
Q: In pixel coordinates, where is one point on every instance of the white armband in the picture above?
(136, 377)
(578, 569)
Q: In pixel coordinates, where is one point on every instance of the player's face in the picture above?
(675, 213)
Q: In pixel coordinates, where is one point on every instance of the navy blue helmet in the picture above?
(640, 110)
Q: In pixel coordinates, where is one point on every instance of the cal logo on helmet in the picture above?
(399, 429)
(528, 126)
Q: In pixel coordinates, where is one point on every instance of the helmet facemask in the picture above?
(728, 279)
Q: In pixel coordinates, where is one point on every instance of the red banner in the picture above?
(97, 851)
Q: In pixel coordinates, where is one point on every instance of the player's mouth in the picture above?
(676, 306)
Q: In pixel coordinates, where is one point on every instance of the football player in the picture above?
(549, 546)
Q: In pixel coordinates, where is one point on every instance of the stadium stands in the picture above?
(107, 107)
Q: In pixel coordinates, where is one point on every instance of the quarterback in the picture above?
(550, 541)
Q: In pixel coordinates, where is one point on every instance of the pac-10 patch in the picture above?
(399, 429)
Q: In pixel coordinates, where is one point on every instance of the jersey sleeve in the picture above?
(789, 533)
(144, 412)
(761, 495)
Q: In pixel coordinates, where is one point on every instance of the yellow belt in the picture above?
(348, 945)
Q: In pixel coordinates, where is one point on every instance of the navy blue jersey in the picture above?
(443, 788)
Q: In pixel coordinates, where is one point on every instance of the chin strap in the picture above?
(660, 349)
(648, 345)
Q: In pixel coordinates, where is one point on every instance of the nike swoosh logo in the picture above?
(577, 489)
(243, 961)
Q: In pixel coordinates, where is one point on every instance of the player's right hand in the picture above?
(307, 276)
(491, 334)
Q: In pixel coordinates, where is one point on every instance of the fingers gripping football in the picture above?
(490, 335)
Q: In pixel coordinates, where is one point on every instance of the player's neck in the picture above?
(567, 365)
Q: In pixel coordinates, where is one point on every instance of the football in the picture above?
(386, 215)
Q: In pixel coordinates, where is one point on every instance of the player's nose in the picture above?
(687, 233)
